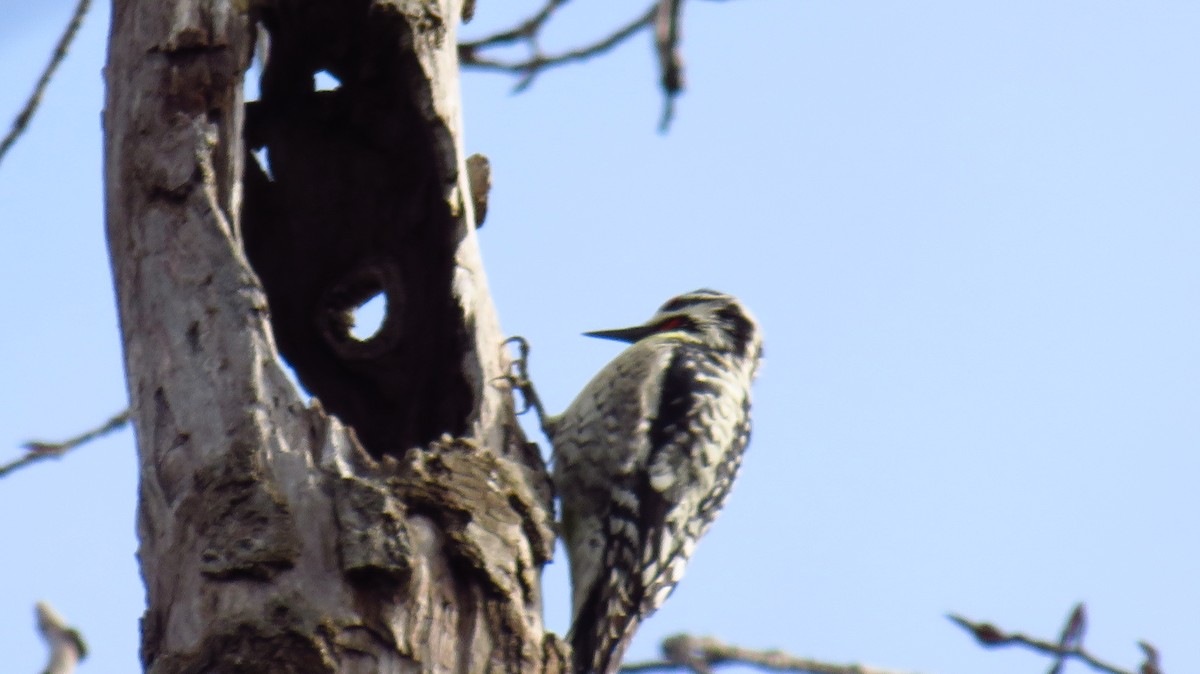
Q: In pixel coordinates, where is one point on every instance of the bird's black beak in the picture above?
(629, 335)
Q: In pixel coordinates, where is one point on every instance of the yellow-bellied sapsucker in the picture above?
(643, 460)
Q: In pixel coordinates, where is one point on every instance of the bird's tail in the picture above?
(603, 629)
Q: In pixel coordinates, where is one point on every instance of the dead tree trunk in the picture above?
(401, 524)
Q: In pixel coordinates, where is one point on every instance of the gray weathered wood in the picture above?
(272, 539)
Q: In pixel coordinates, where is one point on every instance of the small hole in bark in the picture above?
(367, 318)
(264, 162)
(360, 314)
(324, 81)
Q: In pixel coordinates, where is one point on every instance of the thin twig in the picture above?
(526, 30)
(56, 59)
(1070, 646)
(66, 644)
(36, 450)
(663, 16)
(667, 34)
(538, 62)
(684, 653)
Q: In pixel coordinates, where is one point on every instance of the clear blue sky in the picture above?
(971, 231)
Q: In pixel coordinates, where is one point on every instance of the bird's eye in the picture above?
(671, 324)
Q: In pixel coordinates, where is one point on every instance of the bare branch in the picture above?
(663, 16)
(526, 30)
(60, 52)
(1070, 645)
(36, 450)
(686, 653)
(66, 645)
(468, 52)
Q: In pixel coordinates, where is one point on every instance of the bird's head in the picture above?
(704, 317)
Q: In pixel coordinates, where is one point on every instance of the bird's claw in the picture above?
(518, 379)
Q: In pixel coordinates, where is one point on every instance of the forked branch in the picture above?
(663, 16)
(1068, 647)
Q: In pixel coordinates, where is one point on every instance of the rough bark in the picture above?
(401, 523)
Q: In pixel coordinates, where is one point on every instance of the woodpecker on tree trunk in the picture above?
(643, 460)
